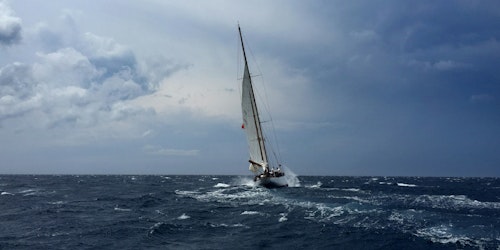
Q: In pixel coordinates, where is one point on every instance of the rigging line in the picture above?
(259, 131)
(238, 66)
(278, 156)
(266, 104)
(237, 60)
(274, 146)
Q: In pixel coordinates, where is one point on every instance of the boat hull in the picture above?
(271, 182)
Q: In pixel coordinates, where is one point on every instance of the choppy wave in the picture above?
(453, 202)
(203, 211)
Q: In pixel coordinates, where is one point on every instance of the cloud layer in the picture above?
(85, 81)
(363, 88)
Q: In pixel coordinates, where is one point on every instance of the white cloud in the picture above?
(65, 67)
(10, 26)
(87, 84)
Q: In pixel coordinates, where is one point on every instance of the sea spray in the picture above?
(290, 177)
(244, 181)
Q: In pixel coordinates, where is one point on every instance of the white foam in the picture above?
(184, 217)
(239, 225)
(444, 234)
(283, 217)
(453, 202)
(122, 209)
(244, 181)
(186, 193)
(317, 185)
(405, 217)
(6, 193)
(400, 184)
(154, 227)
(28, 192)
(221, 185)
(56, 202)
(226, 225)
(249, 212)
(354, 198)
(238, 195)
(351, 189)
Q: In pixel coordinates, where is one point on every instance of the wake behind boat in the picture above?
(259, 161)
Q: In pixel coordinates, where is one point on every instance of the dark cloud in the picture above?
(10, 26)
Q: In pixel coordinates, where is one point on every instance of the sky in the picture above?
(380, 88)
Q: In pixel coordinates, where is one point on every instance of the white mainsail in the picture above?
(251, 122)
(255, 137)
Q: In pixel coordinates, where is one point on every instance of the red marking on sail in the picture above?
(243, 125)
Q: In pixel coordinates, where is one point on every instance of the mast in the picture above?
(255, 113)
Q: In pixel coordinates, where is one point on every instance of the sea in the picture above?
(231, 212)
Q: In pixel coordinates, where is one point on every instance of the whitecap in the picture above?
(244, 181)
(239, 225)
(185, 193)
(351, 189)
(221, 185)
(155, 227)
(226, 225)
(122, 209)
(6, 193)
(56, 202)
(249, 212)
(184, 217)
(317, 185)
(283, 217)
(28, 192)
(400, 184)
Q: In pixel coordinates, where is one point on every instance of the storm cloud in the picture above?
(368, 88)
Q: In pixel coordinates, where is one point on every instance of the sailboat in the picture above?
(264, 174)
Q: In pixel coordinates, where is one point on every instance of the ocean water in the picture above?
(229, 212)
